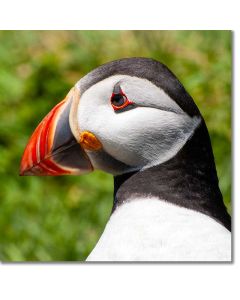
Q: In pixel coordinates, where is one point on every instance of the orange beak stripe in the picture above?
(53, 149)
(36, 154)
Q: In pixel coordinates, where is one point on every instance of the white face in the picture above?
(145, 134)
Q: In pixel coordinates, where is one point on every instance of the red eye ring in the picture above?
(122, 99)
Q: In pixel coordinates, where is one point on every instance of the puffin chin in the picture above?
(53, 149)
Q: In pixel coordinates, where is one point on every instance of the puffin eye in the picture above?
(120, 101)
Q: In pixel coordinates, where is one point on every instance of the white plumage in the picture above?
(154, 230)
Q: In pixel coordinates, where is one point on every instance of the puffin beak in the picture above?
(53, 149)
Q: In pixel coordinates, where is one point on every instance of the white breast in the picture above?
(154, 230)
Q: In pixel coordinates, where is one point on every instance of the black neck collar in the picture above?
(189, 180)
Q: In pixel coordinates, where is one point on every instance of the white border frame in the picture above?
(136, 281)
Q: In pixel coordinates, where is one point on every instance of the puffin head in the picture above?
(124, 116)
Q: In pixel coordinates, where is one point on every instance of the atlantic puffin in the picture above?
(133, 119)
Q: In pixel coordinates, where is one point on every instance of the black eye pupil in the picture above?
(118, 99)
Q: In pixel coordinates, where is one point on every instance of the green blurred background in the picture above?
(61, 218)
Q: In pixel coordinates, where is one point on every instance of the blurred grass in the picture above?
(61, 218)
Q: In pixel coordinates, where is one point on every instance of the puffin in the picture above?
(134, 119)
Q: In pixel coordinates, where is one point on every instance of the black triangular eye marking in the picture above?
(117, 89)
